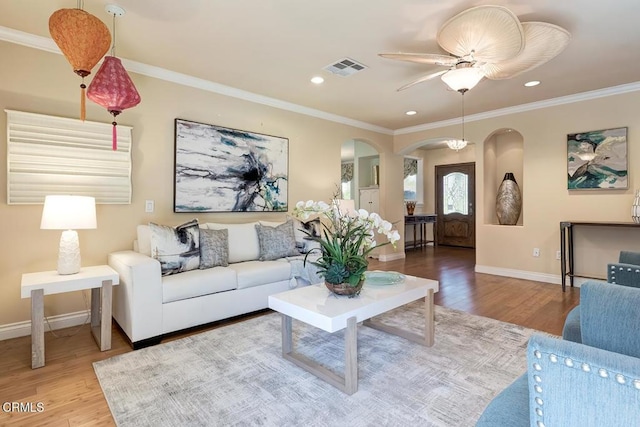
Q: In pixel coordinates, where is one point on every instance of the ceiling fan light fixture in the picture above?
(462, 79)
(456, 144)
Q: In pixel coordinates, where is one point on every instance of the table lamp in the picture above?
(68, 213)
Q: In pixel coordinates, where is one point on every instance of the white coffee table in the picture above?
(316, 306)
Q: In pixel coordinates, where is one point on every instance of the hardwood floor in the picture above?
(71, 395)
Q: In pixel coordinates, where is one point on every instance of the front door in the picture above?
(455, 204)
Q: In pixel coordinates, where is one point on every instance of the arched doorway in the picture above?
(360, 174)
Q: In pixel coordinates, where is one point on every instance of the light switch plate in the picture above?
(149, 206)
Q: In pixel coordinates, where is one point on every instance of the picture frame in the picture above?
(220, 169)
(598, 160)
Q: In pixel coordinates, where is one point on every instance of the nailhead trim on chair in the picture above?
(570, 363)
(613, 272)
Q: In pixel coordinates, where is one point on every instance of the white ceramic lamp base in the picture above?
(69, 253)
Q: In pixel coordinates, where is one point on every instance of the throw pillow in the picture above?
(276, 242)
(314, 227)
(177, 248)
(214, 248)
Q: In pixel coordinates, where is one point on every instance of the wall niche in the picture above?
(503, 153)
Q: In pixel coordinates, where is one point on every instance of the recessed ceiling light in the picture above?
(532, 83)
(411, 113)
(317, 80)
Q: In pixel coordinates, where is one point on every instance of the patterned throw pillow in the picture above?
(276, 242)
(214, 248)
(314, 227)
(177, 248)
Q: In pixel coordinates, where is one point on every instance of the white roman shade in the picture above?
(56, 155)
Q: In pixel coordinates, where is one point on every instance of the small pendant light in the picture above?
(83, 39)
(112, 87)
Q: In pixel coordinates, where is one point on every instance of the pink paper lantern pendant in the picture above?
(113, 89)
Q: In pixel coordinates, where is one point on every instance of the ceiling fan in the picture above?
(488, 41)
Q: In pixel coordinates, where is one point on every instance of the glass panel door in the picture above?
(455, 193)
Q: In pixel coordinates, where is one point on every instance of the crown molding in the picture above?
(569, 99)
(44, 43)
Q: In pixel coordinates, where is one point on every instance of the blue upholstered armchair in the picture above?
(592, 383)
(626, 271)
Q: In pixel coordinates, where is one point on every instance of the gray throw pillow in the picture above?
(214, 248)
(177, 248)
(276, 242)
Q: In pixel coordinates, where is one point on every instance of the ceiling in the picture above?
(272, 48)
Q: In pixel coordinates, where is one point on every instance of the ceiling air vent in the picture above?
(345, 67)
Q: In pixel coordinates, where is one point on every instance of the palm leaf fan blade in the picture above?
(491, 33)
(544, 41)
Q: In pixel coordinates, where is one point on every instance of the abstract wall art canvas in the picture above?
(218, 169)
(597, 159)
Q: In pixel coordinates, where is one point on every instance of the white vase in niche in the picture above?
(508, 201)
(635, 208)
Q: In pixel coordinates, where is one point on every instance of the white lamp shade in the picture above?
(462, 78)
(68, 213)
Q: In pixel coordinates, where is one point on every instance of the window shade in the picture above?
(56, 155)
(346, 172)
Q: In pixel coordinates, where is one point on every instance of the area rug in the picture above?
(236, 376)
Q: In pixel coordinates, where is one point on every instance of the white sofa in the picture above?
(148, 305)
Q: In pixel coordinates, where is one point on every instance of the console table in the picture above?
(420, 222)
(566, 245)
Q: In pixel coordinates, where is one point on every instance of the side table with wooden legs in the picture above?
(99, 279)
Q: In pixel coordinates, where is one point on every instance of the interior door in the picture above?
(455, 204)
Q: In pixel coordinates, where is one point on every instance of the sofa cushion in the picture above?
(256, 273)
(243, 240)
(276, 242)
(176, 248)
(214, 248)
(196, 283)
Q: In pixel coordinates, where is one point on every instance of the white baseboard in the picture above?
(61, 321)
(529, 275)
(519, 274)
(391, 257)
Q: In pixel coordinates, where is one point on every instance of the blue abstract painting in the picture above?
(597, 159)
(218, 169)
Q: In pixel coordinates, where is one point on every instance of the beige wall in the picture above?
(547, 200)
(44, 83)
(41, 82)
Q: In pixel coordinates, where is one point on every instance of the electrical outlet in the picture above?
(149, 206)
(557, 254)
(536, 252)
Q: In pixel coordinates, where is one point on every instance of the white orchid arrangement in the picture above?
(346, 240)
